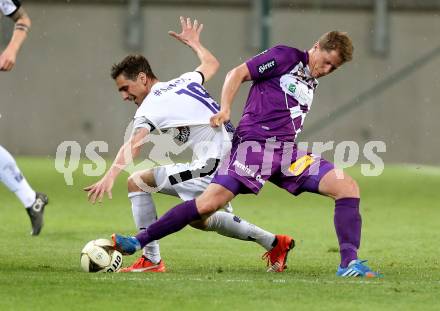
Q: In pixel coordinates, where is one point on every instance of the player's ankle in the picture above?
(347, 258)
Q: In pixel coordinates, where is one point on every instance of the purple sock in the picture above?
(348, 223)
(172, 221)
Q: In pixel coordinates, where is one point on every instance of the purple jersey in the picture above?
(280, 96)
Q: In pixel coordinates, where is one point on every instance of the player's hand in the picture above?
(190, 31)
(97, 190)
(7, 60)
(220, 118)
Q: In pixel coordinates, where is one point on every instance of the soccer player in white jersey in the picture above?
(14, 10)
(10, 174)
(183, 107)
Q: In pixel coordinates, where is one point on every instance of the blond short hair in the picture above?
(339, 41)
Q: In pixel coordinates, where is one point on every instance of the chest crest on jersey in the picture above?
(300, 85)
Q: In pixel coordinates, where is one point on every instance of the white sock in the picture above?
(11, 176)
(144, 214)
(232, 226)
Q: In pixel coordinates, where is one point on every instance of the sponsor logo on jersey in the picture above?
(300, 165)
(246, 169)
(298, 88)
(269, 65)
(292, 88)
(169, 87)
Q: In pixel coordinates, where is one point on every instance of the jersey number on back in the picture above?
(199, 93)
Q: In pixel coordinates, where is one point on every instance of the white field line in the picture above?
(282, 281)
(105, 277)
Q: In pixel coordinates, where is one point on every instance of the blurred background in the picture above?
(61, 88)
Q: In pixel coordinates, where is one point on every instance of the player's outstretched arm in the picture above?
(232, 83)
(22, 26)
(190, 36)
(125, 156)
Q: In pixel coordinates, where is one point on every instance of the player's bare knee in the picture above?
(212, 199)
(348, 189)
(207, 208)
(200, 224)
(141, 181)
(209, 203)
(131, 185)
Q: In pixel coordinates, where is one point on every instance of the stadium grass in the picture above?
(207, 272)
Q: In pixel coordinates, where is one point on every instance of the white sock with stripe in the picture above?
(144, 214)
(232, 226)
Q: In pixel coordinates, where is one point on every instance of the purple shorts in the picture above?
(251, 163)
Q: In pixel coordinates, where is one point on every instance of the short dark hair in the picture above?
(339, 41)
(131, 66)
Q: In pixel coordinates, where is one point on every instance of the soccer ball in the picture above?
(99, 256)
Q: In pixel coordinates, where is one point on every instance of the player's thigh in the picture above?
(189, 189)
(317, 175)
(181, 179)
(337, 184)
(303, 175)
(161, 177)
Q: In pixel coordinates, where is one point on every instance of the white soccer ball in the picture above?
(99, 256)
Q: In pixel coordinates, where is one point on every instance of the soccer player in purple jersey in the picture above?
(180, 107)
(264, 149)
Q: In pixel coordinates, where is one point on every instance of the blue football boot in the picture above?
(126, 245)
(357, 268)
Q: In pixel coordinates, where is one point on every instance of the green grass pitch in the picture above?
(401, 217)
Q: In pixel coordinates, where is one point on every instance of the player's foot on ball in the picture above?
(144, 264)
(36, 212)
(277, 256)
(357, 268)
(125, 245)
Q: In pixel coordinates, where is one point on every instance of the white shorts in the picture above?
(184, 188)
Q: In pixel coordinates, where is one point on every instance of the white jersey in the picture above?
(181, 109)
(9, 7)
